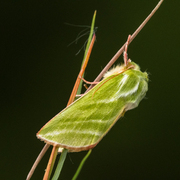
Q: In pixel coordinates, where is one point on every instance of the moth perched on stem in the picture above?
(82, 124)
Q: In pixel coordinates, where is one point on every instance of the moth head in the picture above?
(132, 65)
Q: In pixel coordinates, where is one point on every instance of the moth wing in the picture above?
(83, 124)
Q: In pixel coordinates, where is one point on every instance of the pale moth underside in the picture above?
(81, 125)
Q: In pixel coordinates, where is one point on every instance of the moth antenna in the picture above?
(102, 85)
(111, 78)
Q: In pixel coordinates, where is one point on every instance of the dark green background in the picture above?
(38, 71)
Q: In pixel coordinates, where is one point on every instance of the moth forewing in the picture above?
(84, 123)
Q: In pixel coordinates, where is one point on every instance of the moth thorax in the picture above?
(115, 70)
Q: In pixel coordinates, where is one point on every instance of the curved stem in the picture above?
(41, 154)
(81, 165)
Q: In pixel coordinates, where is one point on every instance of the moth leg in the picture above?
(125, 54)
(87, 82)
(79, 95)
(85, 85)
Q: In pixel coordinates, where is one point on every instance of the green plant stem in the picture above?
(87, 48)
(81, 165)
(60, 164)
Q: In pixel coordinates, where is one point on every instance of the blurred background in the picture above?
(38, 70)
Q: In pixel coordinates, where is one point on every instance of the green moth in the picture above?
(81, 125)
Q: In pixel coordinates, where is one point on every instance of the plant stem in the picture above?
(89, 46)
(81, 165)
(41, 154)
(51, 163)
(77, 86)
(60, 164)
(116, 56)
